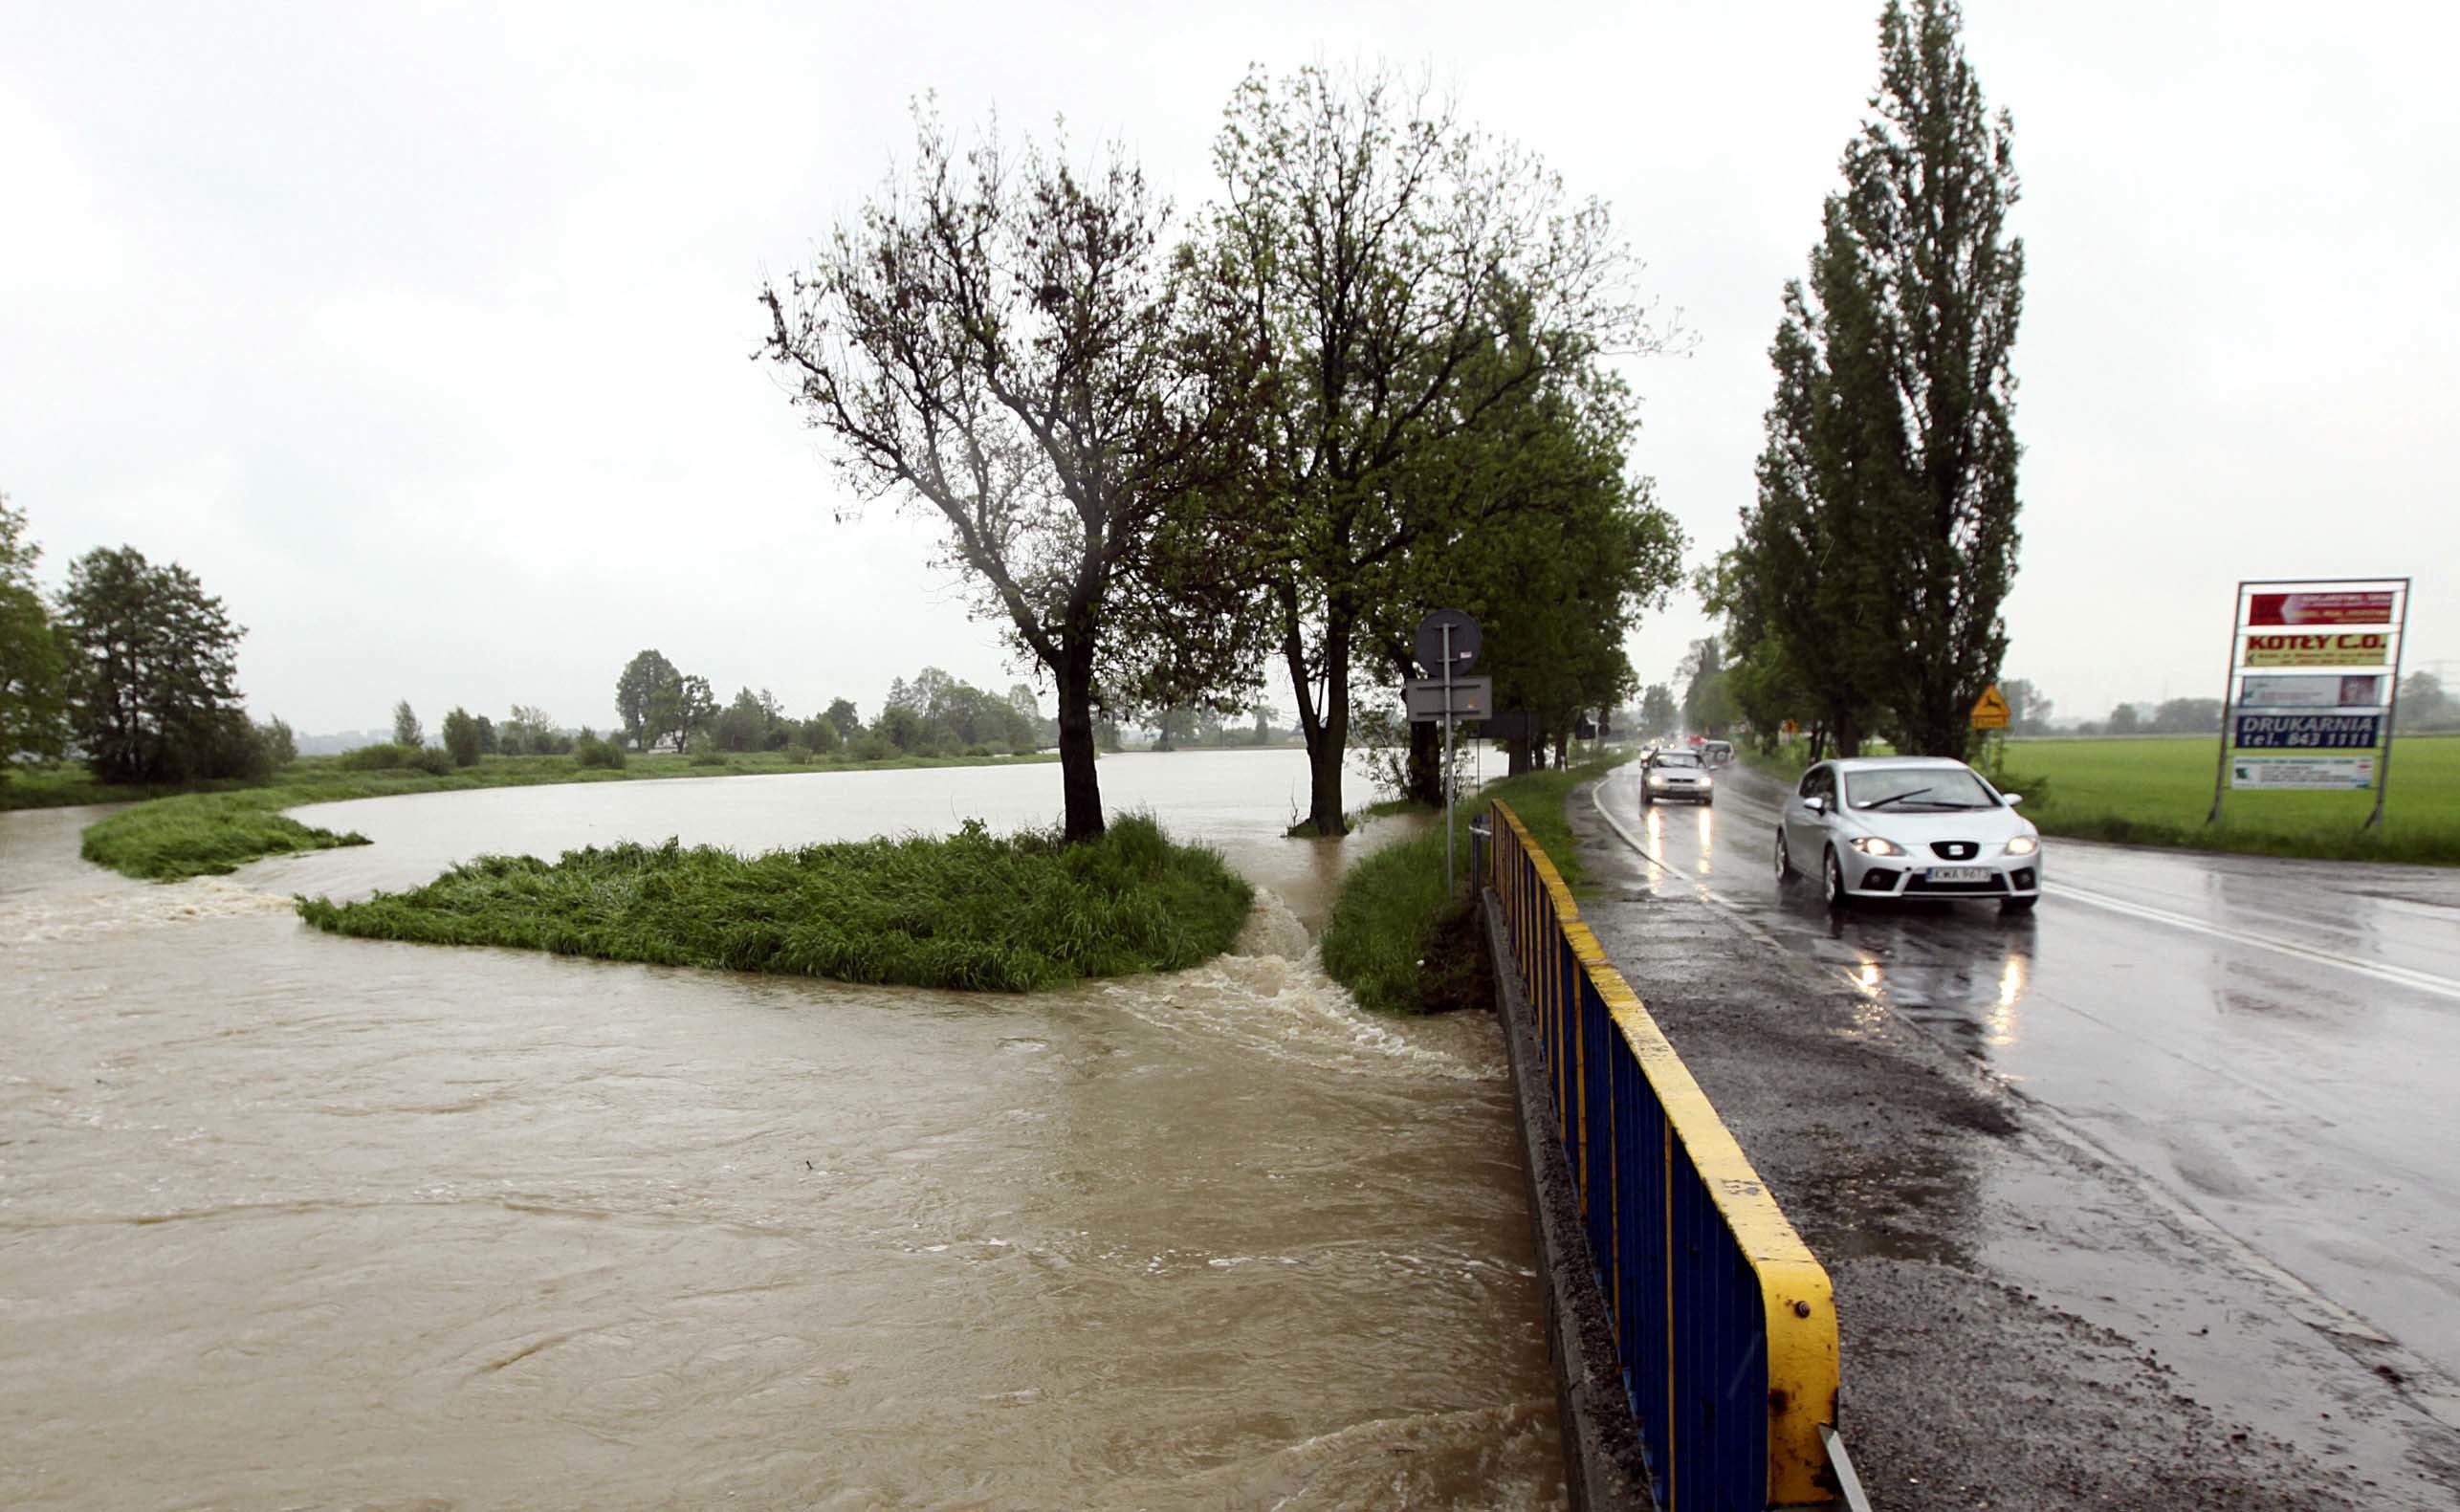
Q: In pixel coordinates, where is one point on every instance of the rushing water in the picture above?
(293, 1221)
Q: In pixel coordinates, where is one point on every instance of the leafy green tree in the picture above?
(1390, 279)
(2186, 717)
(745, 723)
(2425, 704)
(842, 714)
(405, 727)
(1884, 540)
(489, 743)
(156, 697)
(531, 730)
(2124, 720)
(2028, 711)
(34, 669)
(1659, 716)
(1000, 339)
(461, 738)
(648, 678)
(281, 743)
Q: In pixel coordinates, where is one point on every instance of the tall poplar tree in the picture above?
(1883, 541)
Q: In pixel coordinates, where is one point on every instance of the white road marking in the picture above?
(2401, 975)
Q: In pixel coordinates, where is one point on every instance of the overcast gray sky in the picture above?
(421, 333)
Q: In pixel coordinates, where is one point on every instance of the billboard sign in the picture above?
(2302, 772)
(2300, 732)
(2366, 649)
(2311, 691)
(2320, 609)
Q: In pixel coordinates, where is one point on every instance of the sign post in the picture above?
(2336, 699)
(1446, 645)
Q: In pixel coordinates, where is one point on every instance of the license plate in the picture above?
(1959, 874)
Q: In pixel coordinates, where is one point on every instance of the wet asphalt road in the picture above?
(2151, 1197)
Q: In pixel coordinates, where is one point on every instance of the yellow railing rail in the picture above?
(1724, 1324)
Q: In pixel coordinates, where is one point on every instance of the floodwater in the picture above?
(287, 1219)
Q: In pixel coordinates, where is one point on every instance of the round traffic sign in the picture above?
(1430, 642)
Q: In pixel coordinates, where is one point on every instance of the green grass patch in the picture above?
(2157, 792)
(1399, 942)
(214, 831)
(972, 911)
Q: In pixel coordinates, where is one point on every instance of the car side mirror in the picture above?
(2013, 799)
(1817, 805)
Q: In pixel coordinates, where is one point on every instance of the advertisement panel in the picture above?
(2365, 648)
(2302, 772)
(2305, 731)
(2311, 691)
(2320, 608)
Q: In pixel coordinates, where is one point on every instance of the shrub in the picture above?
(871, 747)
(707, 757)
(977, 752)
(434, 760)
(379, 757)
(590, 751)
(281, 744)
(799, 754)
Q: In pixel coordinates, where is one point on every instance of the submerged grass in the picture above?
(215, 831)
(973, 912)
(1398, 941)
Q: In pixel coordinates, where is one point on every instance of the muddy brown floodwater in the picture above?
(287, 1219)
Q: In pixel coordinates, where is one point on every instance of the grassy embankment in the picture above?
(2157, 792)
(212, 832)
(1399, 943)
(973, 912)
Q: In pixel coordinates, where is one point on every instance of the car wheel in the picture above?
(2018, 905)
(1785, 862)
(1707, 803)
(1834, 877)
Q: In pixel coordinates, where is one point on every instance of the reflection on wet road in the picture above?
(2269, 1043)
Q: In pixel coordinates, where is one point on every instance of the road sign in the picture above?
(2306, 731)
(1792, 729)
(1472, 698)
(2320, 609)
(1990, 709)
(2302, 772)
(1430, 642)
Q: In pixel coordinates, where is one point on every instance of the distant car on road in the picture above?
(1675, 774)
(1908, 827)
(1716, 752)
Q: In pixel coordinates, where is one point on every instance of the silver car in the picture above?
(1908, 827)
(1675, 774)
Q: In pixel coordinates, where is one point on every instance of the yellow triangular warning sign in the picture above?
(1990, 709)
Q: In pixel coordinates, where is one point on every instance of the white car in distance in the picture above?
(1671, 774)
(1908, 827)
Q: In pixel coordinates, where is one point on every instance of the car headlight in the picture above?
(2023, 845)
(1874, 845)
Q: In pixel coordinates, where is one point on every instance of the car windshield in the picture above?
(1677, 758)
(1902, 789)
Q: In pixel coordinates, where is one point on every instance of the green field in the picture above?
(2157, 792)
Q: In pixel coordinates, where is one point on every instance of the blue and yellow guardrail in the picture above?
(1725, 1326)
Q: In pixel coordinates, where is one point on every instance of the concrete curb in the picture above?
(1602, 1464)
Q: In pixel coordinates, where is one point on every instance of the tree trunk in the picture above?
(1516, 758)
(1081, 789)
(1328, 735)
(1425, 784)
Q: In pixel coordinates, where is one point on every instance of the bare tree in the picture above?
(999, 339)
